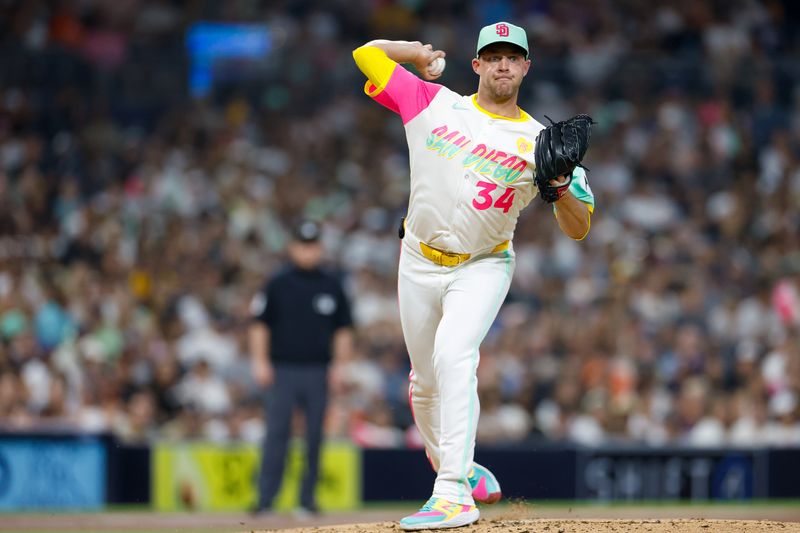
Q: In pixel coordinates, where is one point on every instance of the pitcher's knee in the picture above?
(423, 394)
(451, 363)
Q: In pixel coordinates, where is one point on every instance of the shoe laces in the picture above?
(428, 505)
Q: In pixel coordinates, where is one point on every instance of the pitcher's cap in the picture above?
(502, 32)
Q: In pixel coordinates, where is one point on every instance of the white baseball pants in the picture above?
(446, 313)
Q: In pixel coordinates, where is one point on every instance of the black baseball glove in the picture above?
(559, 149)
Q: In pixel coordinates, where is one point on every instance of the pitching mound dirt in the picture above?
(580, 526)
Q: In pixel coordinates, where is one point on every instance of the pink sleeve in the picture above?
(405, 94)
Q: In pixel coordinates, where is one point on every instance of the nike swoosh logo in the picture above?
(460, 107)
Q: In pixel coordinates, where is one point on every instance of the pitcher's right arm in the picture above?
(393, 86)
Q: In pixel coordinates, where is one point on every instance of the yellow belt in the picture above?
(450, 259)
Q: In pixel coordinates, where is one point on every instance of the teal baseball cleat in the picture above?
(439, 513)
(485, 487)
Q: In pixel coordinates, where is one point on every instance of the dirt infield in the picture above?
(524, 518)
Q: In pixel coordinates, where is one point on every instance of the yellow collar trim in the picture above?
(523, 116)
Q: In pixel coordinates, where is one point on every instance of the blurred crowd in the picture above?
(136, 223)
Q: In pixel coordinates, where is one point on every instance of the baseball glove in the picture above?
(559, 149)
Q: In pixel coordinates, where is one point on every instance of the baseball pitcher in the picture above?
(476, 162)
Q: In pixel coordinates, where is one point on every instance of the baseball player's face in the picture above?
(501, 68)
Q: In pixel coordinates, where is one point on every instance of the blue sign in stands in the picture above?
(52, 473)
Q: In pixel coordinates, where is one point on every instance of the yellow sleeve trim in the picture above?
(376, 66)
(589, 225)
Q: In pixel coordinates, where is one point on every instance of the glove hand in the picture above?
(561, 185)
(560, 147)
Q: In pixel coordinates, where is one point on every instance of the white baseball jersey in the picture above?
(471, 170)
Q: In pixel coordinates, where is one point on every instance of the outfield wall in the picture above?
(62, 471)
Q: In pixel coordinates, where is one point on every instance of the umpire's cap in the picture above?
(502, 32)
(307, 231)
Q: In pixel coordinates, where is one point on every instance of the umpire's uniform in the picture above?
(302, 308)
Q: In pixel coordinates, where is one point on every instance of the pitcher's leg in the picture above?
(471, 303)
(419, 293)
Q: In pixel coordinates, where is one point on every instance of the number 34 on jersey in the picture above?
(486, 200)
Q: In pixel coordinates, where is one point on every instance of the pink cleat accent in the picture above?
(485, 487)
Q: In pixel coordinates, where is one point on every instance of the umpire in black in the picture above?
(301, 323)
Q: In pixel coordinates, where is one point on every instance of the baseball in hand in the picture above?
(436, 66)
